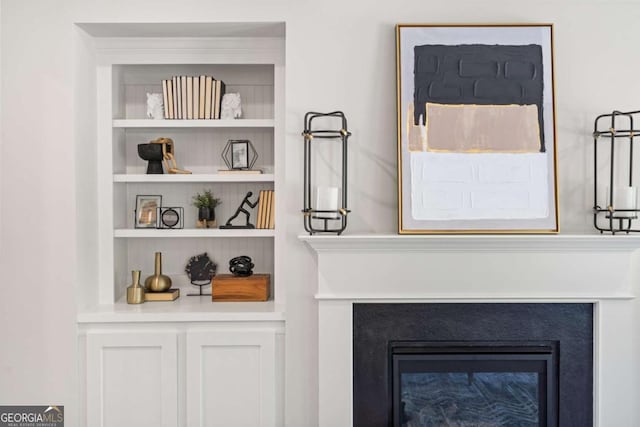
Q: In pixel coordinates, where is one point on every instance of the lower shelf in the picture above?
(184, 309)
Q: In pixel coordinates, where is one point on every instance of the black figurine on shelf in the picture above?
(241, 266)
(200, 270)
(241, 208)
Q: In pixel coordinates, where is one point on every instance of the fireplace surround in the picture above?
(512, 269)
(550, 346)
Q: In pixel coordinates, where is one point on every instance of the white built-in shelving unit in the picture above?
(250, 60)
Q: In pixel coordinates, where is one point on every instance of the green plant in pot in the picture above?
(206, 204)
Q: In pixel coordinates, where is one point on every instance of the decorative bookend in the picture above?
(241, 209)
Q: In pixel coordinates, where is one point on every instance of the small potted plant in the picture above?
(206, 204)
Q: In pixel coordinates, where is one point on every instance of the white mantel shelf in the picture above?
(476, 268)
(457, 243)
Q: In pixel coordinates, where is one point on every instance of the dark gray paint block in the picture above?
(479, 74)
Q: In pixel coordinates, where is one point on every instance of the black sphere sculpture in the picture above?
(153, 154)
(241, 266)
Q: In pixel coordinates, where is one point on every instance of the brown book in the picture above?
(207, 99)
(189, 97)
(202, 84)
(268, 210)
(170, 295)
(183, 90)
(227, 287)
(196, 97)
(261, 206)
(272, 211)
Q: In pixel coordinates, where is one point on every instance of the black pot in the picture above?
(204, 213)
(153, 154)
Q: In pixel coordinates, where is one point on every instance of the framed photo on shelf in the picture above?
(239, 154)
(147, 211)
(476, 129)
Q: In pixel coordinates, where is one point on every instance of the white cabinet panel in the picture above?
(132, 379)
(231, 379)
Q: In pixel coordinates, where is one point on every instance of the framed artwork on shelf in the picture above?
(239, 154)
(147, 210)
(476, 129)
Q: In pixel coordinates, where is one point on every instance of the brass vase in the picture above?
(135, 292)
(158, 282)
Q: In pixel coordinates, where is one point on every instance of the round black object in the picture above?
(170, 218)
(200, 268)
(241, 266)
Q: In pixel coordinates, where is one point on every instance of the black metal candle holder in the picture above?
(314, 222)
(616, 129)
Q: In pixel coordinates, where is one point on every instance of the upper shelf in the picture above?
(151, 124)
(238, 177)
(192, 232)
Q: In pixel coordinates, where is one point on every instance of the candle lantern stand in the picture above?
(615, 198)
(329, 212)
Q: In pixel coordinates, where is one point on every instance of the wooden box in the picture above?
(227, 287)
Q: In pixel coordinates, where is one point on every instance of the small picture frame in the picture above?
(240, 155)
(147, 210)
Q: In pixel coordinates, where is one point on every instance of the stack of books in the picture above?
(192, 97)
(266, 205)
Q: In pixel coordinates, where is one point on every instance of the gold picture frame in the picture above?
(476, 129)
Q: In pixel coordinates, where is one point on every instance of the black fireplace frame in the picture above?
(376, 325)
(503, 354)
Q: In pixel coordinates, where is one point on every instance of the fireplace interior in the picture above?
(473, 365)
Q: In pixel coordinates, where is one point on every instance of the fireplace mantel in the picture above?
(471, 267)
(599, 269)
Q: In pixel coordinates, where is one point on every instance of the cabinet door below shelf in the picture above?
(231, 378)
(132, 379)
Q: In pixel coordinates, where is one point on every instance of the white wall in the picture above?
(340, 55)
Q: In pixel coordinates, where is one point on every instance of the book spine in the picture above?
(189, 84)
(177, 94)
(183, 86)
(196, 97)
(201, 96)
(213, 98)
(165, 99)
(170, 98)
(272, 210)
(261, 206)
(207, 101)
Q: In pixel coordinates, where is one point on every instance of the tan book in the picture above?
(207, 97)
(169, 106)
(202, 84)
(177, 98)
(189, 97)
(261, 209)
(170, 295)
(183, 89)
(196, 97)
(272, 212)
(267, 210)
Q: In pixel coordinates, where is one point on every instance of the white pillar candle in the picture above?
(624, 198)
(327, 200)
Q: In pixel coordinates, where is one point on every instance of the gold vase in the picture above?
(135, 292)
(158, 282)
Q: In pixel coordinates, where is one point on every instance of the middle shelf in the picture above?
(264, 177)
(191, 232)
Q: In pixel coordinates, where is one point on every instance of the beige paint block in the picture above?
(465, 128)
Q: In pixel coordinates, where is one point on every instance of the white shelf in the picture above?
(191, 232)
(184, 309)
(149, 123)
(171, 178)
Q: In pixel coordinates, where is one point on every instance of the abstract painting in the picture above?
(476, 129)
